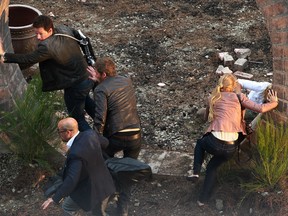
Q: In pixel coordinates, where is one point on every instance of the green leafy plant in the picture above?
(32, 123)
(269, 157)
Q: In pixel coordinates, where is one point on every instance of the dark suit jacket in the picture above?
(86, 178)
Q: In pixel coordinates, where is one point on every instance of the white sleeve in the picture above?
(253, 85)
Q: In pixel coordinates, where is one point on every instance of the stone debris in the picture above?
(228, 60)
(226, 70)
(221, 55)
(242, 52)
(161, 84)
(220, 69)
(223, 70)
(240, 64)
(237, 67)
(243, 75)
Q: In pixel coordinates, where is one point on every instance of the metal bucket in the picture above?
(23, 37)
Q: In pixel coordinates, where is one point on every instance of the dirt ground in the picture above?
(170, 42)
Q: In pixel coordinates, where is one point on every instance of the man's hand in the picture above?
(46, 203)
(92, 73)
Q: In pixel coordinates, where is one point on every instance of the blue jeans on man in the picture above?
(77, 100)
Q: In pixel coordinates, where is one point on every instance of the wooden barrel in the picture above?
(23, 37)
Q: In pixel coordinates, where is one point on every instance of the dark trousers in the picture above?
(129, 142)
(221, 152)
(77, 100)
(71, 208)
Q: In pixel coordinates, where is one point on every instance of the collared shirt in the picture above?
(70, 142)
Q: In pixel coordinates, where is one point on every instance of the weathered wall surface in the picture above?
(275, 13)
(12, 82)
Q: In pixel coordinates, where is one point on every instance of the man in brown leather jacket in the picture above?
(62, 66)
(116, 115)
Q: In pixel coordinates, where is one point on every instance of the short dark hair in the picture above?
(43, 21)
(105, 65)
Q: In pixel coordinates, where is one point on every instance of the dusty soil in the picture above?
(170, 42)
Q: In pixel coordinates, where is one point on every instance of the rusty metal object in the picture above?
(23, 37)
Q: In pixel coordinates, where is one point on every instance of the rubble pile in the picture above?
(238, 66)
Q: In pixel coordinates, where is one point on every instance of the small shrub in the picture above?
(269, 157)
(33, 122)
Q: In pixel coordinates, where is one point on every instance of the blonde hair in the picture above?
(226, 83)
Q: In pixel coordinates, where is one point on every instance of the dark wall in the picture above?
(12, 82)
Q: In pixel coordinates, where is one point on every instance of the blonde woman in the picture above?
(224, 113)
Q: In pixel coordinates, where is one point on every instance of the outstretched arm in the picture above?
(2, 52)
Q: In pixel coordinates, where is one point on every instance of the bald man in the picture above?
(87, 183)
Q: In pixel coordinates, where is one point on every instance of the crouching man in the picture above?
(87, 183)
(116, 117)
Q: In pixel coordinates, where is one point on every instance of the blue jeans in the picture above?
(221, 152)
(77, 100)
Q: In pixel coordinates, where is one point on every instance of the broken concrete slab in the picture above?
(163, 162)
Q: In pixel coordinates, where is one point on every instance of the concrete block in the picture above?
(228, 60)
(242, 52)
(221, 55)
(227, 70)
(240, 64)
(243, 75)
(223, 70)
(219, 69)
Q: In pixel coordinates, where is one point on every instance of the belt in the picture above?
(122, 136)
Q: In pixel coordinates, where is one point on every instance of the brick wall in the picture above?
(275, 13)
(12, 82)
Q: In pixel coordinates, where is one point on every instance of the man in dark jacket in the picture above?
(116, 112)
(62, 66)
(116, 116)
(87, 183)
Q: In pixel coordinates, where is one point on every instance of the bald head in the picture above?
(68, 124)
